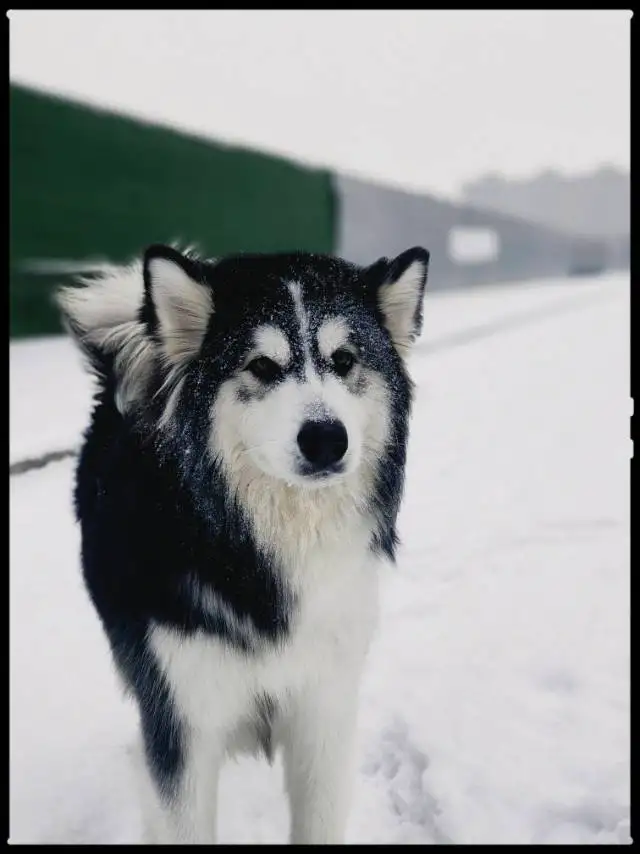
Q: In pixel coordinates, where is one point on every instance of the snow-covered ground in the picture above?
(495, 707)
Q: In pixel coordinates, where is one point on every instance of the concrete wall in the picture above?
(374, 220)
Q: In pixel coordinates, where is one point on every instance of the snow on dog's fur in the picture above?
(239, 482)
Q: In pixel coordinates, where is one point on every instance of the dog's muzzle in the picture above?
(322, 444)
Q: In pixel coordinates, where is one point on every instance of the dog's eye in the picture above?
(343, 360)
(264, 369)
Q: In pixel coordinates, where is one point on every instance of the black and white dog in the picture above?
(238, 485)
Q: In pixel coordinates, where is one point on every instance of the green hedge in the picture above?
(91, 184)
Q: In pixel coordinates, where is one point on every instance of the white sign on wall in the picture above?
(468, 245)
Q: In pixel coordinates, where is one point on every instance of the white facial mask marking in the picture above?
(333, 333)
(272, 343)
(303, 321)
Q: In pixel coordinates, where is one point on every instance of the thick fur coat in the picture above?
(238, 485)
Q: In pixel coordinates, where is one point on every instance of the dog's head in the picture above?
(291, 365)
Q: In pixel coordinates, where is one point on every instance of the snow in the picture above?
(495, 706)
(49, 396)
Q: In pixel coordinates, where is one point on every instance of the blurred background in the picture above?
(498, 139)
(495, 705)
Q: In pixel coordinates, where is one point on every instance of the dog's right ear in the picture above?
(177, 302)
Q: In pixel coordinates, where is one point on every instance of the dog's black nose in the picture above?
(323, 443)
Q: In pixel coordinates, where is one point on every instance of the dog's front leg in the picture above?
(319, 763)
(183, 810)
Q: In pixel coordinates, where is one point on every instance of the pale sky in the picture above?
(420, 99)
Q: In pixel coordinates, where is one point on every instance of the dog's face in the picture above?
(299, 401)
(289, 365)
(296, 355)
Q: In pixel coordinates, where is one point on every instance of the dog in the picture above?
(237, 493)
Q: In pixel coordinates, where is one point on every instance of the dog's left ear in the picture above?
(177, 302)
(400, 286)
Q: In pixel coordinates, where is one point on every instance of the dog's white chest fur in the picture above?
(216, 686)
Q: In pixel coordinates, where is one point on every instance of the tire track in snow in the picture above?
(23, 466)
(505, 324)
